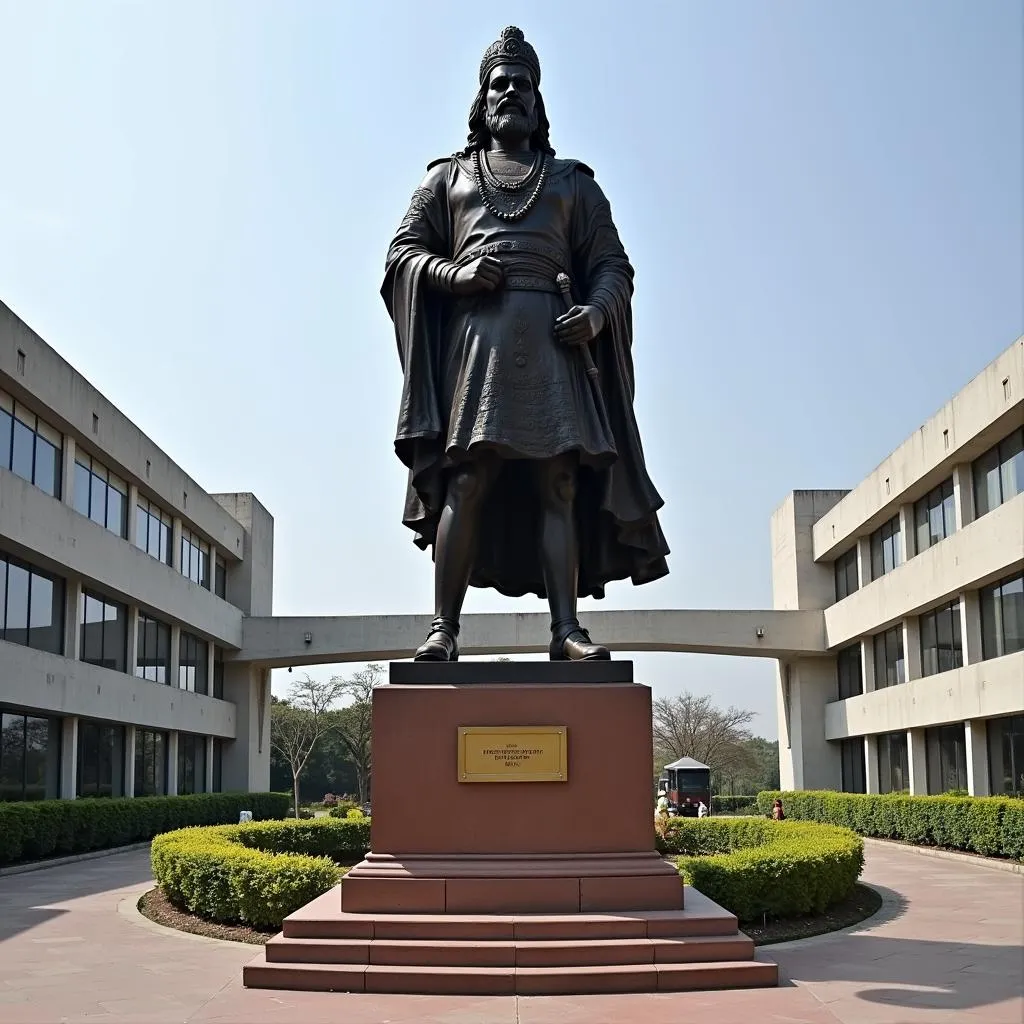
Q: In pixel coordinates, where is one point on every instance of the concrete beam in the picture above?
(278, 641)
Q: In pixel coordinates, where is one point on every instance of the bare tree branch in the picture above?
(690, 726)
(354, 723)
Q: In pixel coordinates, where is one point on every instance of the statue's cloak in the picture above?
(617, 504)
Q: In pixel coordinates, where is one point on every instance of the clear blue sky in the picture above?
(823, 203)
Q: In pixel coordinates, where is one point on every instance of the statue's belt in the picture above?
(527, 266)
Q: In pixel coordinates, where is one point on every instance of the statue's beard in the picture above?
(511, 126)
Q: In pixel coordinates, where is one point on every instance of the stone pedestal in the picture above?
(443, 845)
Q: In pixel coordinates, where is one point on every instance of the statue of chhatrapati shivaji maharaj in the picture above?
(511, 298)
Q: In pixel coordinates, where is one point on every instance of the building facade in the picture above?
(919, 572)
(123, 586)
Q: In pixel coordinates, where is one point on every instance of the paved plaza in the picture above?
(948, 945)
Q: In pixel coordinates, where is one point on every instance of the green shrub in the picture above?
(342, 807)
(47, 828)
(257, 873)
(759, 867)
(734, 804)
(993, 826)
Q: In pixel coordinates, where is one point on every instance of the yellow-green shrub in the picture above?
(257, 873)
(756, 867)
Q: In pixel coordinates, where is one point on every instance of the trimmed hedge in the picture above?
(754, 867)
(734, 804)
(989, 825)
(257, 873)
(47, 828)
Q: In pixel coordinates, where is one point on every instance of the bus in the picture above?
(689, 782)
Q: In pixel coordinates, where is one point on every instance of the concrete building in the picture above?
(123, 586)
(919, 574)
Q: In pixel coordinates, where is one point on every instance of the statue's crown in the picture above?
(510, 47)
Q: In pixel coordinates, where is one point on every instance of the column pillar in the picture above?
(208, 781)
(970, 626)
(210, 652)
(133, 517)
(864, 560)
(175, 655)
(69, 757)
(917, 760)
(963, 494)
(912, 648)
(172, 764)
(871, 764)
(133, 639)
(867, 663)
(72, 618)
(176, 543)
(907, 535)
(129, 760)
(67, 471)
(976, 749)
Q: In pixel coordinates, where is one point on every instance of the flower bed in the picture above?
(992, 826)
(257, 873)
(755, 867)
(48, 828)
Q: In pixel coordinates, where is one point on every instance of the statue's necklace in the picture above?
(503, 198)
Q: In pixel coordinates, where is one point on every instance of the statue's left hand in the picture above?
(579, 325)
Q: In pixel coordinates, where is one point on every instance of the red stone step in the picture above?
(648, 977)
(323, 918)
(521, 953)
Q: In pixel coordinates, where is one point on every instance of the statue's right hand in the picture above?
(481, 275)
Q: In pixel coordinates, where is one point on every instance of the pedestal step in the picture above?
(559, 953)
(324, 919)
(577, 980)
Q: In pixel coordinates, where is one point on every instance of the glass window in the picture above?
(100, 759)
(195, 559)
(100, 495)
(31, 607)
(191, 763)
(893, 766)
(946, 753)
(192, 668)
(852, 758)
(846, 574)
(886, 548)
(150, 763)
(104, 632)
(848, 669)
(153, 658)
(941, 649)
(220, 576)
(29, 757)
(1006, 755)
(29, 447)
(153, 530)
(890, 667)
(935, 516)
(999, 473)
(1002, 618)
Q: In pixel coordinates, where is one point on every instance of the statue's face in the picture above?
(511, 102)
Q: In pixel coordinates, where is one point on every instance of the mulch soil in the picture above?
(860, 905)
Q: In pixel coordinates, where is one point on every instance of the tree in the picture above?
(353, 723)
(689, 726)
(299, 723)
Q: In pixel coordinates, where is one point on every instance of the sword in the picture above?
(565, 287)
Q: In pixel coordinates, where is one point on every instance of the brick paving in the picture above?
(947, 946)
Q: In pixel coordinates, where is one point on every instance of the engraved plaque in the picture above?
(512, 753)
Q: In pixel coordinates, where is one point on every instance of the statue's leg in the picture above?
(559, 551)
(454, 550)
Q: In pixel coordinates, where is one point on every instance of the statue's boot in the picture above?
(442, 642)
(571, 642)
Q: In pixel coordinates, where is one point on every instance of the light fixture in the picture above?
(759, 632)
(308, 637)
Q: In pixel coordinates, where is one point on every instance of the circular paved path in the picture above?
(947, 946)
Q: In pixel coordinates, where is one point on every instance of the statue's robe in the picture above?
(486, 372)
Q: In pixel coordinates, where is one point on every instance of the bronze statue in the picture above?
(526, 472)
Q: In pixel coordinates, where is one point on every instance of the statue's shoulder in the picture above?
(561, 167)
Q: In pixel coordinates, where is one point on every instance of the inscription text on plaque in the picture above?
(512, 753)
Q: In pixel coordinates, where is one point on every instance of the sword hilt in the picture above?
(565, 287)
